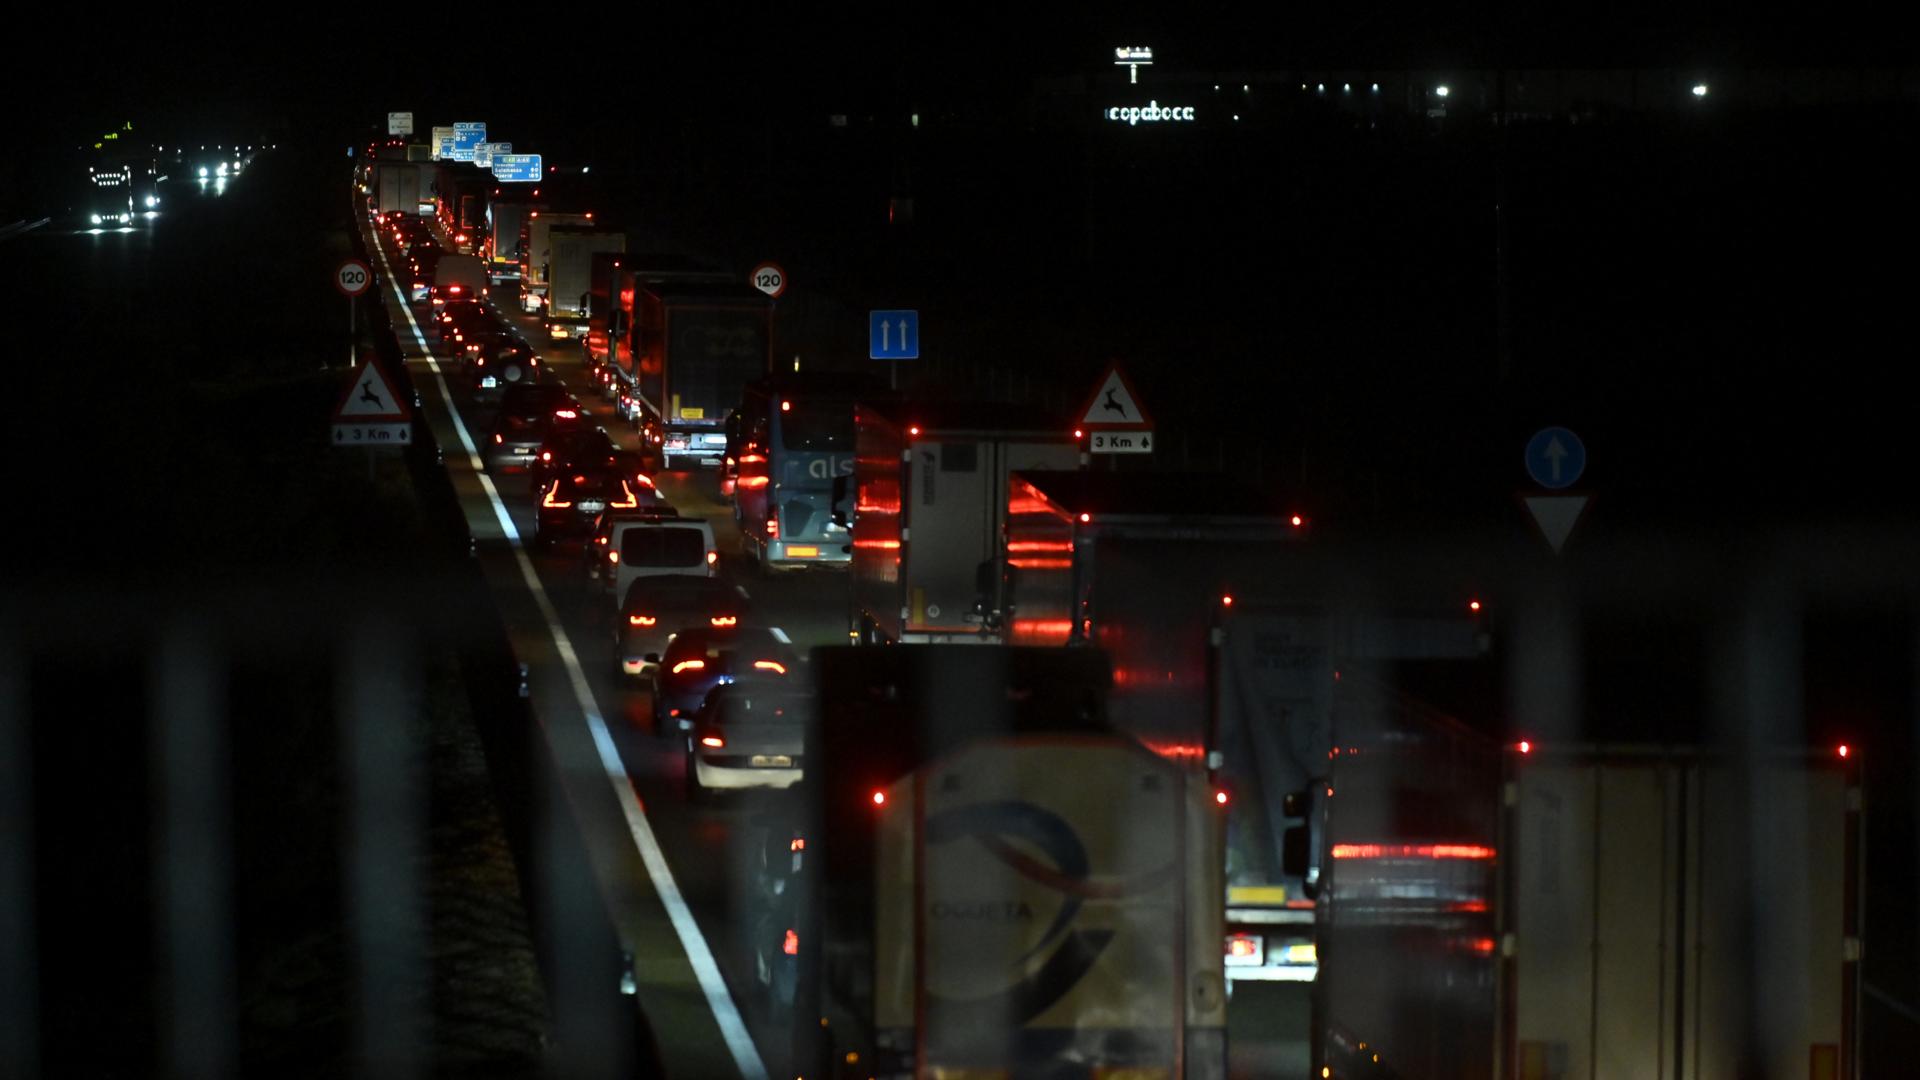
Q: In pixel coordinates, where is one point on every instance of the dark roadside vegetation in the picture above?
(191, 374)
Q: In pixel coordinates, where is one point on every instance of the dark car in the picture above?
(699, 658)
(462, 316)
(747, 735)
(504, 362)
(569, 503)
(657, 605)
(527, 413)
(570, 449)
(422, 260)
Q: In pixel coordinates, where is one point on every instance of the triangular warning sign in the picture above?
(1115, 406)
(370, 396)
(1556, 515)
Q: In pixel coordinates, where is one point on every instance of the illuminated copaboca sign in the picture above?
(1153, 112)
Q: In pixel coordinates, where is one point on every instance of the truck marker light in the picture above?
(712, 557)
(774, 666)
(786, 406)
(498, 440)
(798, 844)
(641, 620)
(1473, 605)
(1526, 747)
(1220, 797)
(913, 431)
(1298, 521)
(1227, 600)
(1079, 434)
(1844, 750)
(1086, 519)
(879, 798)
(713, 741)
(1412, 851)
(689, 665)
(613, 557)
(546, 455)
(791, 943)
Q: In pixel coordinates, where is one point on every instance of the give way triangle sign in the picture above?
(1555, 515)
(1115, 406)
(370, 397)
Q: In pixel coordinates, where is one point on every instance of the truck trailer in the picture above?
(535, 252)
(1523, 909)
(571, 253)
(961, 912)
(686, 354)
(930, 486)
(501, 247)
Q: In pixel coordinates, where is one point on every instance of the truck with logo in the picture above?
(787, 444)
(1517, 908)
(957, 910)
(929, 488)
(684, 352)
(571, 250)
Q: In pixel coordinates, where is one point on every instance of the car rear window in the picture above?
(662, 546)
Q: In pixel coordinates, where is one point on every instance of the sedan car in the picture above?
(570, 449)
(570, 502)
(527, 412)
(699, 658)
(655, 606)
(747, 735)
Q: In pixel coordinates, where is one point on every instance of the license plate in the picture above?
(489, 382)
(524, 451)
(592, 506)
(770, 761)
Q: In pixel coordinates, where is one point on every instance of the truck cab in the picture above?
(789, 443)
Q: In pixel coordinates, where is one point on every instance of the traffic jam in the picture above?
(760, 578)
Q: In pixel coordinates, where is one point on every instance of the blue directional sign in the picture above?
(893, 335)
(466, 137)
(520, 168)
(1555, 457)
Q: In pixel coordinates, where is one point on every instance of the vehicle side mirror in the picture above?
(839, 496)
(1296, 854)
(1294, 804)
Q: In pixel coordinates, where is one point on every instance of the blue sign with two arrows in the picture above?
(893, 335)
(1556, 457)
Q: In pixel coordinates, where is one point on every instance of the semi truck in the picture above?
(1225, 629)
(397, 187)
(571, 251)
(683, 359)
(505, 216)
(110, 195)
(958, 911)
(930, 485)
(1522, 909)
(535, 251)
(789, 440)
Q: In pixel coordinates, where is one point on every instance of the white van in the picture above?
(665, 545)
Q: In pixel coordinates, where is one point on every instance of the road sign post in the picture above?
(353, 278)
(1114, 419)
(1555, 459)
(893, 334)
(370, 414)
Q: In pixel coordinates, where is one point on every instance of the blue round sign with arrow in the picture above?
(1555, 457)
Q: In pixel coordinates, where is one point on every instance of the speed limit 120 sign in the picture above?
(770, 279)
(353, 278)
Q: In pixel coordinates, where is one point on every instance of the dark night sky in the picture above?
(229, 73)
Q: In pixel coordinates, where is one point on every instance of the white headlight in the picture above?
(96, 219)
(152, 201)
(203, 171)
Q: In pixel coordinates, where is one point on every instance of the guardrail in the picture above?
(21, 228)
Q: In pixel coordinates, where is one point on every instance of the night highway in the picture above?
(1357, 548)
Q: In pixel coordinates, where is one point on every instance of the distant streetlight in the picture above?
(1440, 91)
(1699, 89)
(1376, 88)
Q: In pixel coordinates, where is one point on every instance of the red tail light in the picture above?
(712, 557)
(565, 414)
(715, 742)
(613, 557)
(791, 944)
(552, 499)
(773, 527)
(641, 620)
(798, 844)
(774, 666)
(689, 665)
(734, 620)
(498, 440)
(546, 455)
(629, 502)
(1220, 797)
(879, 798)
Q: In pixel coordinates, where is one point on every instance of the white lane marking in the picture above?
(746, 1056)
